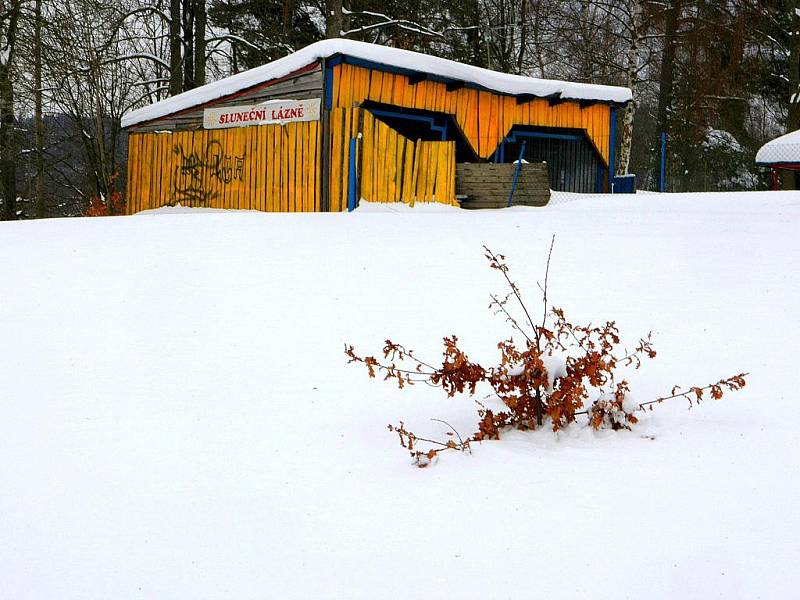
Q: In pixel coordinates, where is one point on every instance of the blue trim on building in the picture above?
(600, 172)
(542, 134)
(351, 180)
(516, 172)
(442, 129)
(663, 180)
(499, 155)
(612, 146)
(328, 86)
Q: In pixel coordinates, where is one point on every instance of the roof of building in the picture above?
(782, 150)
(392, 57)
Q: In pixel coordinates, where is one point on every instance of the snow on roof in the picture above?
(393, 57)
(785, 149)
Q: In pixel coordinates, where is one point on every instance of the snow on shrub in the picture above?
(556, 372)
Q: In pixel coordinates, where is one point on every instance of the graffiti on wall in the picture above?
(199, 177)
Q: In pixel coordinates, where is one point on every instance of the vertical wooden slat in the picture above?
(366, 157)
(131, 171)
(345, 170)
(311, 161)
(384, 134)
(212, 186)
(259, 163)
(387, 88)
(300, 185)
(172, 166)
(391, 164)
(431, 170)
(334, 173)
(375, 84)
(167, 170)
(408, 172)
(291, 164)
(237, 183)
(224, 189)
(149, 165)
(399, 158)
(275, 190)
(269, 157)
(280, 172)
(337, 76)
(253, 161)
(157, 170)
(248, 185)
(302, 173)
(286, 175)
(249, 145)
(315, 162)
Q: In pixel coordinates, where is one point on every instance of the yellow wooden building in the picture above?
(340, 121)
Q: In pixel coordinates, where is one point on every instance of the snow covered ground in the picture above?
(178, 421)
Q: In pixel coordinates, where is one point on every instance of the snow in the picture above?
(784, 149)
(556, 367)
(718, 139)
(393, 57)
(178, 420)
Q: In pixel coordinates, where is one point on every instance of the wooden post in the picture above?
(325, 142)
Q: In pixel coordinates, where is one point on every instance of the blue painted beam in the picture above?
(351, 180)
(516, 173)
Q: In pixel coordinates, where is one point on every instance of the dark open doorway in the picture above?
(572, 160)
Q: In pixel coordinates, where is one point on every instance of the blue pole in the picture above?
(351, 180)
(612, 146)
(516, 172)
(662, 183)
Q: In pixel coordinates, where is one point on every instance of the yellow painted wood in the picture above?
(276, 169)
(266, 168)
(130, 172)
(396, 169)
(484, 117)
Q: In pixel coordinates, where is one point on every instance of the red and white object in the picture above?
(265, 113)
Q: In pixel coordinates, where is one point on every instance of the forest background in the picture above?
(720, 77)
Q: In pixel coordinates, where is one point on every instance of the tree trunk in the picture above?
(523, 36)
(667, 78)
(789, 178)
(199, 43)
(188, 45)
(39, 201)
(8, 147)
(632, 76)
(175, 43)
(334, 20)
(8, 174)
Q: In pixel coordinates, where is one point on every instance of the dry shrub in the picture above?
(557, 372)
(99, 207)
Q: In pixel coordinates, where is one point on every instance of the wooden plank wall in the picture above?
(484, 117)
(268, 168)
(344, 126)
(397, 169)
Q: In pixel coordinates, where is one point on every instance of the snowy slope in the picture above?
(178, 420)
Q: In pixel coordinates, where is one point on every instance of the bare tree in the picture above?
(9, 23)
(633, 29)
(39, 164)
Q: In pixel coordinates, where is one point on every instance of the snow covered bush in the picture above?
(729, 165)
(556, 372)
